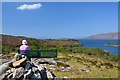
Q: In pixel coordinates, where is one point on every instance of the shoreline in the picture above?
(114, 45)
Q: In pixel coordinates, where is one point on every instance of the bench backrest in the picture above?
(43, 53)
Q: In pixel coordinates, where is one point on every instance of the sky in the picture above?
(59, 19)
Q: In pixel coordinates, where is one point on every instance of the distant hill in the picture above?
(9, 40)
(105, 36)
(12, 43)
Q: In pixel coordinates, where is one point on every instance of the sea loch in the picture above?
(89, 43)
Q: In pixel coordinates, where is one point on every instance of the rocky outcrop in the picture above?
(24, 69)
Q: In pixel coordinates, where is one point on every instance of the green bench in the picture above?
(43, 53)
(52, 53)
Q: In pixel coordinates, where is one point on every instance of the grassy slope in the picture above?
(80, 61)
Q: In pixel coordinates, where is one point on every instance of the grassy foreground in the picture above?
(80, 65)
(76, 65)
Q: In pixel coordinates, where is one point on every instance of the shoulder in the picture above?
(27, 47)
(21, 46)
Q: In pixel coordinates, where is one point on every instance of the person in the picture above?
(24, 48)
(24, 45)
(22, 52)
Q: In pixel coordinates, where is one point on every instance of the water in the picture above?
(100, 44)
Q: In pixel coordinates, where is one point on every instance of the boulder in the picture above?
(19, 62)
(43, 73)
(34, 69)
(3, 61)
(3, 76)
(9, 76)
(4, 67)
(49, 74)
(18, 72)
(28, 74)
(27, 66)
(36, 75)
(1, 55)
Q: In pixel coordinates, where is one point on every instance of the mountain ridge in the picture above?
(113, 35)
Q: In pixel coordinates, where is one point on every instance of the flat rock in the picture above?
(19, 62)
(43, 61)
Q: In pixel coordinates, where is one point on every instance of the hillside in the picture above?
(12, 43)
(105, 36)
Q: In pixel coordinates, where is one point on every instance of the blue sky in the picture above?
(59, 19)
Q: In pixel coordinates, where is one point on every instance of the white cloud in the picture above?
(29, 7)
